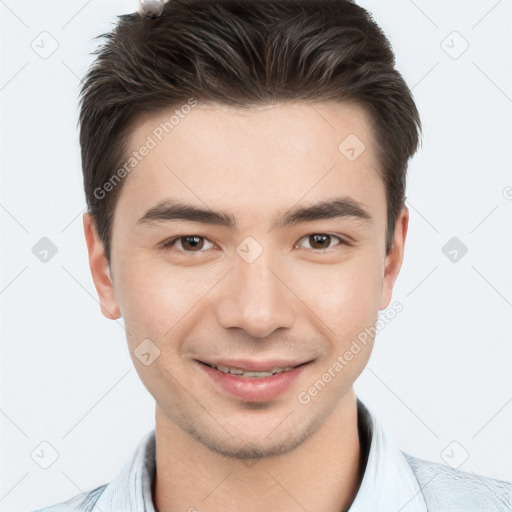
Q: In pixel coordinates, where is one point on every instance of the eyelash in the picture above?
(169, 243)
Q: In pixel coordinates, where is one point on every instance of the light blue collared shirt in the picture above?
(393, 481)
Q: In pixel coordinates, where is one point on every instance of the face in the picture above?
(254, 241)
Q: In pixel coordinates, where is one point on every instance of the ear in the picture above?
(394, 258)
(100, 270)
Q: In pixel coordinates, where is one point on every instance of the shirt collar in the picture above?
(388, 484)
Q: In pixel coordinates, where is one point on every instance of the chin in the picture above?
(250, 444)
(246, 448)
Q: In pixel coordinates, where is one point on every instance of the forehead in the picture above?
(285, 153)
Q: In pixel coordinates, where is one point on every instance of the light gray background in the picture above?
(440, 377)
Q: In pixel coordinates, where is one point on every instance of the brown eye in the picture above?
(188, 243)
(322, 241)
(195, 243)
(319, 241)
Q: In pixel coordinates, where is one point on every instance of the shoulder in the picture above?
(448, 490)
(83, 502)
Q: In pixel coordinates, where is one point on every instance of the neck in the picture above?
(321, 474)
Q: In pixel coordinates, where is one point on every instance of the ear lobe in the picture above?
(100, 270)
(394, 258)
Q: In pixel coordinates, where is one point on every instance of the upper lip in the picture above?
(255, 366)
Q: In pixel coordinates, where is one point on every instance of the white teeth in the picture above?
(239, 371)
(257, 374)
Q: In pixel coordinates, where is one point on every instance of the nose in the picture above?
(256, 298)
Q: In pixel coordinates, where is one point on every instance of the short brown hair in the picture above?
(242, 53)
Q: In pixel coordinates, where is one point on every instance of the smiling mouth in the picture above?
(253, 381)
(249, 373)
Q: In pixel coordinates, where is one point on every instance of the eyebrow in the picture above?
(169, 210)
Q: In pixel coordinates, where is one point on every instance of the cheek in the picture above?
(156, 298)
(345, 300)
(344, 296)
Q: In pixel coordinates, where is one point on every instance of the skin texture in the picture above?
(216, 451)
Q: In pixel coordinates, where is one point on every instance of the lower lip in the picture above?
(254, 389)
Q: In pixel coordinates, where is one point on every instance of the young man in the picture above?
(244, 166)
